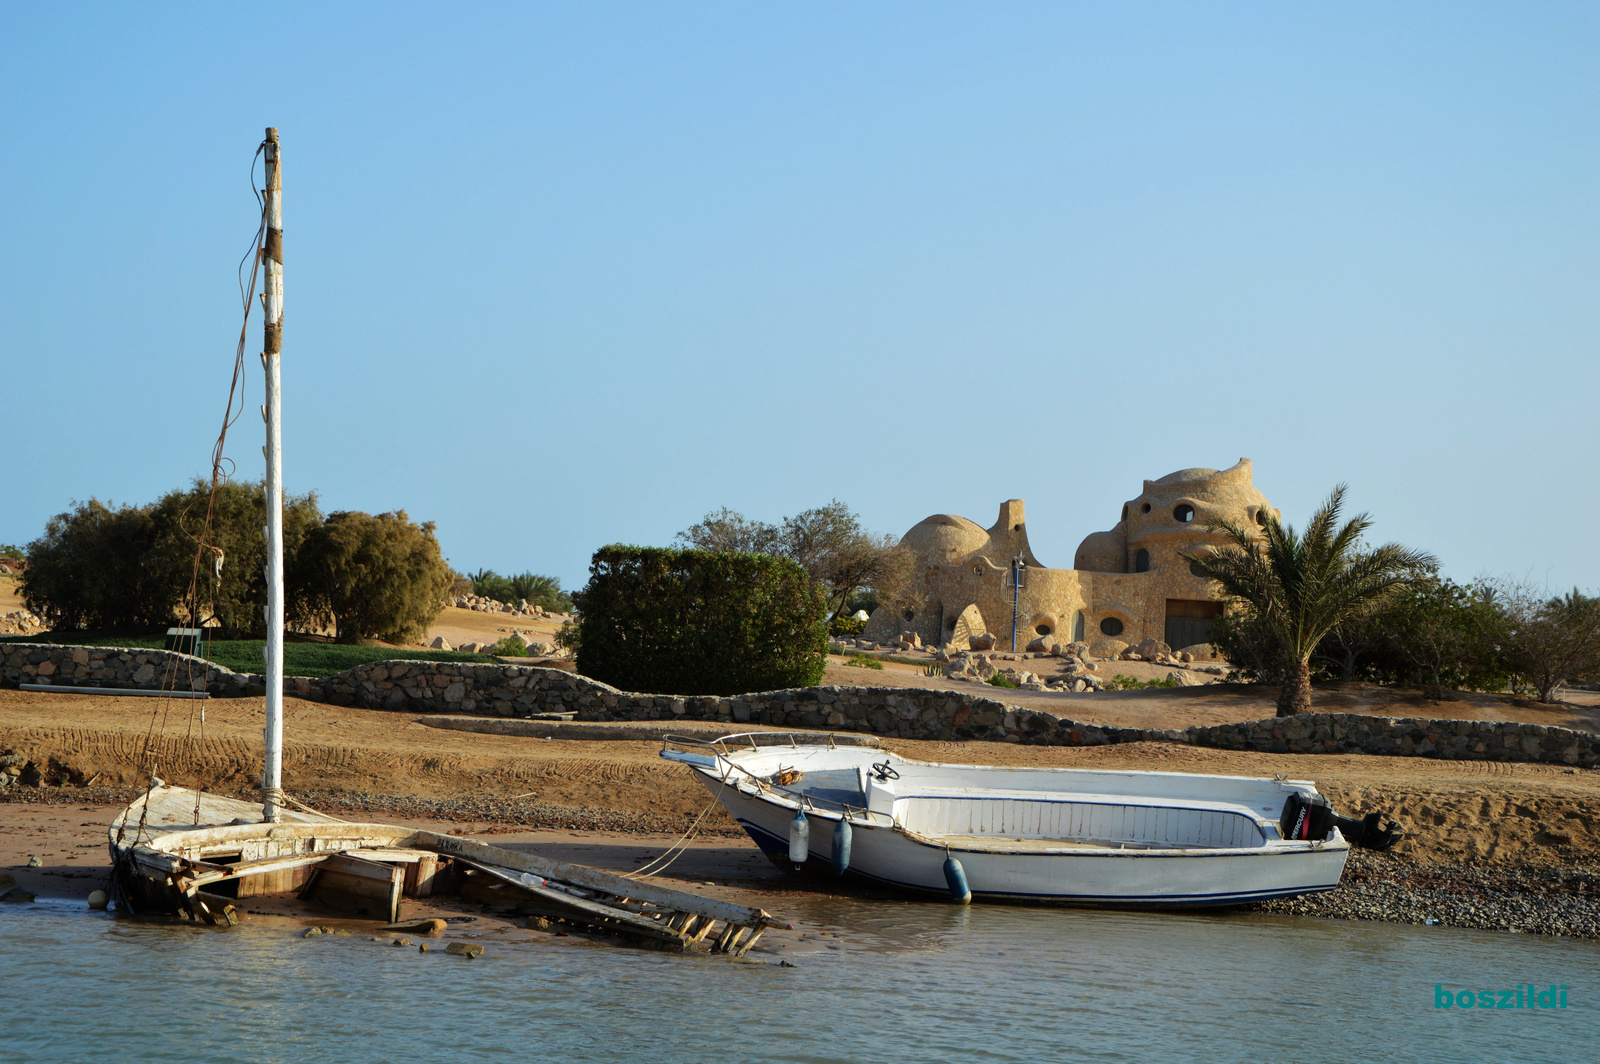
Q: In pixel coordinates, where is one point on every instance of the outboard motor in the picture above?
(1307, 815)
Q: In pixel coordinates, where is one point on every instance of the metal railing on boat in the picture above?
(729, 767)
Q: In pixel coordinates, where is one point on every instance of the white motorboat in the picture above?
(1145, 839)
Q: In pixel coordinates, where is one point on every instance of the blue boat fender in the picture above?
(799, 838)
(956, 877)
(841, 846)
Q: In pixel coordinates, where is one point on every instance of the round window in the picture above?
(1184, 512)
(1194, 568)
(1261, 518)
(1145, 508)
(1043, 629)
(1111, 626)
(910, 614)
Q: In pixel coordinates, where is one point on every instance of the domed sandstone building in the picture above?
(1126, 583)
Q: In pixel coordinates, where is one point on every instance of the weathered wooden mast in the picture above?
(272, 255)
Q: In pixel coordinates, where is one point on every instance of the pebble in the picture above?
(1561, 900)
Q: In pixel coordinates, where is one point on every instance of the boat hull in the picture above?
(885, 851)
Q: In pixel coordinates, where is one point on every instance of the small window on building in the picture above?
(1111, 626)
(1261, 518)
(1194, 568)
(1041, 629)
(1141, 561)
(1145, 508)
(1077, 626)
(1184, 512)
(910, 614)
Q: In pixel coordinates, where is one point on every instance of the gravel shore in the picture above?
(1557, 900)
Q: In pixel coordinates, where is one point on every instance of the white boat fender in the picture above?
(841, 845)
(799, 838)
(956, 877)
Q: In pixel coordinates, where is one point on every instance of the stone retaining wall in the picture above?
(120, 667)
(913, 713)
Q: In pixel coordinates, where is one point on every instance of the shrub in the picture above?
(861, 661)
(11, 550)
(1120, 682)
(373, 576)
(851, 626)
(509, 647)
(235, 597)
(93, 569)
(699, 622)
(1000, 679)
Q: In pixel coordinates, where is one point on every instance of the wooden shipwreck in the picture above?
(195, 856)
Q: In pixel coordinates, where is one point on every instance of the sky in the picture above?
(558, 276)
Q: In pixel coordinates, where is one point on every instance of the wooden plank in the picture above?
(350, 883)
(592, 879)
(254, 868)
(611, 918)
(421, 875)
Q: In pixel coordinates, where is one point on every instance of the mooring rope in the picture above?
(682, 845)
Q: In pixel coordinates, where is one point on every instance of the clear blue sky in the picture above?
(559, 276)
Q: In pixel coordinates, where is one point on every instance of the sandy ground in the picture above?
(9, 598)
(469, 626)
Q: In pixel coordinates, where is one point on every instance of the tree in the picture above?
(730, 531)
(1551, 641)
(1451, 634)
(231, 580)
(92, 570)
(537, 590)
(373, 576)
(698, 622)
(828, 542)
(1300, 586)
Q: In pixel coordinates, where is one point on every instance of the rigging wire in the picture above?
(218, 476)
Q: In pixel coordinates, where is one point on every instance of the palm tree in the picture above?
(1301, 586)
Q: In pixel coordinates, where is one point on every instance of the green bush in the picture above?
(373, 576)
(509, 647)
(699, 622)
(861, 661)
(95, 568)
(1000, 679)
(846, 626)
(11, 550)
(1120, 682)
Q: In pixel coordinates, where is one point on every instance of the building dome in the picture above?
(944, 538)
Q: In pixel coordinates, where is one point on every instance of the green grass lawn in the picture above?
(244, 655)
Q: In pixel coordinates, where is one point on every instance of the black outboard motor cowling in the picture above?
(1311, 817)
(1306, 816)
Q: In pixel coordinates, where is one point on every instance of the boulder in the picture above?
(1152, 649)
(982, 642)
(1200, 652)
(440, 643)
(1043, 645)
(1108, 648)
(910, 641)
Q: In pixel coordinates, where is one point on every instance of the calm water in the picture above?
(911, 982)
